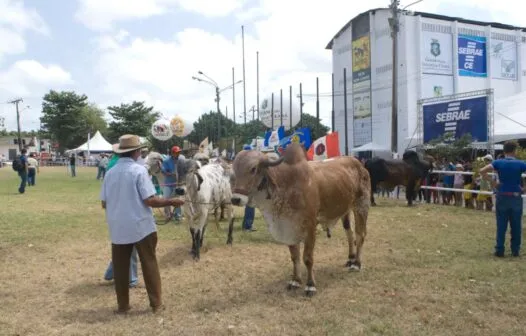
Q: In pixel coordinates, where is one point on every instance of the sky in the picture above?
(117, 51)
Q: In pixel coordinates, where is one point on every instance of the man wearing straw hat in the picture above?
(127, 195)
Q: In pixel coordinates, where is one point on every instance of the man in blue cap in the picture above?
(250, 211)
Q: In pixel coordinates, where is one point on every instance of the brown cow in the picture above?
(294, 194)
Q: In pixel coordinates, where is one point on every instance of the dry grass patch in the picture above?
(427, 270)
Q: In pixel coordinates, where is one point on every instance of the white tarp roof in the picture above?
(96, 144)
(371, 146)
(510, 118)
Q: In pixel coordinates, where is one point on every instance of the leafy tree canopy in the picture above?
(135, 118)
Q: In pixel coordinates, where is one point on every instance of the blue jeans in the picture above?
(73, 172)
(248, 220)
(108, 275)
(23, 181)
(169, 192)
(508, 209)
(99, 172)
(31, 175)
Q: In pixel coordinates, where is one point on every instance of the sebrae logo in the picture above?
(264, 104)
(435, 47)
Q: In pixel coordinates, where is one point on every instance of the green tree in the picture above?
(317, 128)
(135, 118)
(62, 118)
(93, 117)
(444, 147)
(208, 124)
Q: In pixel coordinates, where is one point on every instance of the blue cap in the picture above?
(247, 147)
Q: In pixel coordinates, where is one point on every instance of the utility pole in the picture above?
(16, 102)
(244, 81)
(218, 115)
(394, 23)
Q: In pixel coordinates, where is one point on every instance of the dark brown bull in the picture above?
(294, 195)
(391, 173)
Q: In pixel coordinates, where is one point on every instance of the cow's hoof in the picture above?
(293, 284)
(354, 265)
(310, 291)
(229, 241)
(373, 204)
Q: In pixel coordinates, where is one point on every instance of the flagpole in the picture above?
(244, 81)
(257, 80)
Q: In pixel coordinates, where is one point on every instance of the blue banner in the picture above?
(301, 136)
(458, 118)
(472, 56)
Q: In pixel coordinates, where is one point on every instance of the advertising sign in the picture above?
(361, 79)
(361, 59)
(437, 53)
(457, 118)
(472, 56)
(503, 59)
(362, 121)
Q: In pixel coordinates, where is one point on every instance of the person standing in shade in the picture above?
(72, 160)
(32, 169)
(250, 210)
(23, 172)
(170, 169)
(508, 206)
(127, 195)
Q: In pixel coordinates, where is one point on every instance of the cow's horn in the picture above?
(271, 163)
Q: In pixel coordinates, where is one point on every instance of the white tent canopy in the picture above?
(96, 144)
(510, 118)
(371, 146)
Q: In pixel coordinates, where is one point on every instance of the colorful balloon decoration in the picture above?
(161, 130)
(265, 114)
(180, 127)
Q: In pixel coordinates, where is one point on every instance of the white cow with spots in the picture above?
(207, 188)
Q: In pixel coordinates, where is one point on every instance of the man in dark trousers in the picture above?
(127, 195)
(23, 171)
(72, 165)
(508, 206)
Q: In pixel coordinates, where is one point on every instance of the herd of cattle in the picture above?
(294, 195)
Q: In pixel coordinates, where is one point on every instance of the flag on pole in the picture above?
(204, 145)
(324, 148)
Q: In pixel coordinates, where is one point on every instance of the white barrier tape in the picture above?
(450, 172)
(462, 190)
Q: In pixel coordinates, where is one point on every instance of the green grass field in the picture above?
(427, 270)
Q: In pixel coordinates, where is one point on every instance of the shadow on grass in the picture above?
(102, 315)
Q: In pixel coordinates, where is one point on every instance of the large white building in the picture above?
(433, 60)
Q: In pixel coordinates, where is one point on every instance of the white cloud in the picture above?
(31, 80)
(15, 21)
(102, 14)
(290, 35)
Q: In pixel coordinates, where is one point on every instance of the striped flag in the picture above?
(324, 148)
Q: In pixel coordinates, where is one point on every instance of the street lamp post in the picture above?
(218, 92)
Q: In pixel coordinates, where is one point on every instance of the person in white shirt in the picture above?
(127, 195)
(32, 169)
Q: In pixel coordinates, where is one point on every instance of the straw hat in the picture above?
(128, 143)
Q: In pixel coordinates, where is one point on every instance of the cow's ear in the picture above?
(199, 181)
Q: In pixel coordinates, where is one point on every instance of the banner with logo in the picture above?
(324, 148)
(437, 53)
(361, 79)
(458, 117)
(472, 56)
(362, 122)
(503, 59)
(437, 86)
